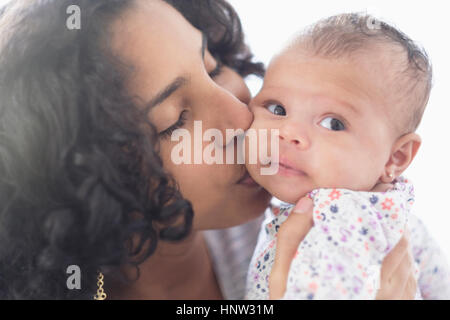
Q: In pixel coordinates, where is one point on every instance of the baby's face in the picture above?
(333, 120)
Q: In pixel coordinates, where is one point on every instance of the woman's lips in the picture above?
(247, 181)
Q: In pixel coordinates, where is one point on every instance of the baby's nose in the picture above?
(293, 141)
(293, 137)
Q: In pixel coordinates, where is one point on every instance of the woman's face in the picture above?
(177, 76)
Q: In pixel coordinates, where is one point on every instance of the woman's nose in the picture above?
(234, 84)
(236, 96)
(236, 114)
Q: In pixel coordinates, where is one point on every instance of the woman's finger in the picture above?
(394, 287)
(289, 236)
(401, 277)
(396, 281)
(411, 288)
(394, 258)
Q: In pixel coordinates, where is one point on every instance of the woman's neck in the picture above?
(181, 270)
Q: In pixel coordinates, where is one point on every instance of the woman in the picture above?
(85, 122)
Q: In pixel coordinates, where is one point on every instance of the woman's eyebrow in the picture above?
(167, 92)
(177, 83)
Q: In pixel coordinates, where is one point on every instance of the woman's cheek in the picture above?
(166, 146)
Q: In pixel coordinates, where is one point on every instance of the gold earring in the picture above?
(391, 175)
(101, 295)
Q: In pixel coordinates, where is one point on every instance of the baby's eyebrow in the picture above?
(350, 106)
(343, 103)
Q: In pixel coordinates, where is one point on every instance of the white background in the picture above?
(269, 23)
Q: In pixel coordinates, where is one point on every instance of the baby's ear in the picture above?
(403, 153)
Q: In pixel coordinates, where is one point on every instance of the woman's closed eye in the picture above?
(177, 125)
(333, 124)
(217, 70)
(182, 118)
(276, 109)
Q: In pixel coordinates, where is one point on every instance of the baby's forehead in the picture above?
(375, 71)
(389, 59)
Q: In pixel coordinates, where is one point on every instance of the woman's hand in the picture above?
(290, 234)
(397, 272)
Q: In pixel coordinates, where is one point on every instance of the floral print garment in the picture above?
(341, 256)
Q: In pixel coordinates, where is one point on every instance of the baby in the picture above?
(347, 96)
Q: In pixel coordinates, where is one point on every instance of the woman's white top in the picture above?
(231, 250)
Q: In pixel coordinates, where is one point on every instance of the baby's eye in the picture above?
(276, 109)
(332, 124)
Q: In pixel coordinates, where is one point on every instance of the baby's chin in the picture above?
(281, 188)
(286, 194)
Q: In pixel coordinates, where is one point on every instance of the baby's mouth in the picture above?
(287, 169)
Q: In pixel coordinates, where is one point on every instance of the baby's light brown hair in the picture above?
(347, 34)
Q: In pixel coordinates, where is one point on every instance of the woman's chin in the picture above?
(253, 207)
(242, 204)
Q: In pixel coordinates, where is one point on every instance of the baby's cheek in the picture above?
(358, 170)
(250, 147)
(258, 144)
(335, 166)
(257, 136)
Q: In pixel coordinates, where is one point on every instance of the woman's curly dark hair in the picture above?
(80, 175)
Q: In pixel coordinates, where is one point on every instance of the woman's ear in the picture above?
(403, 153)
